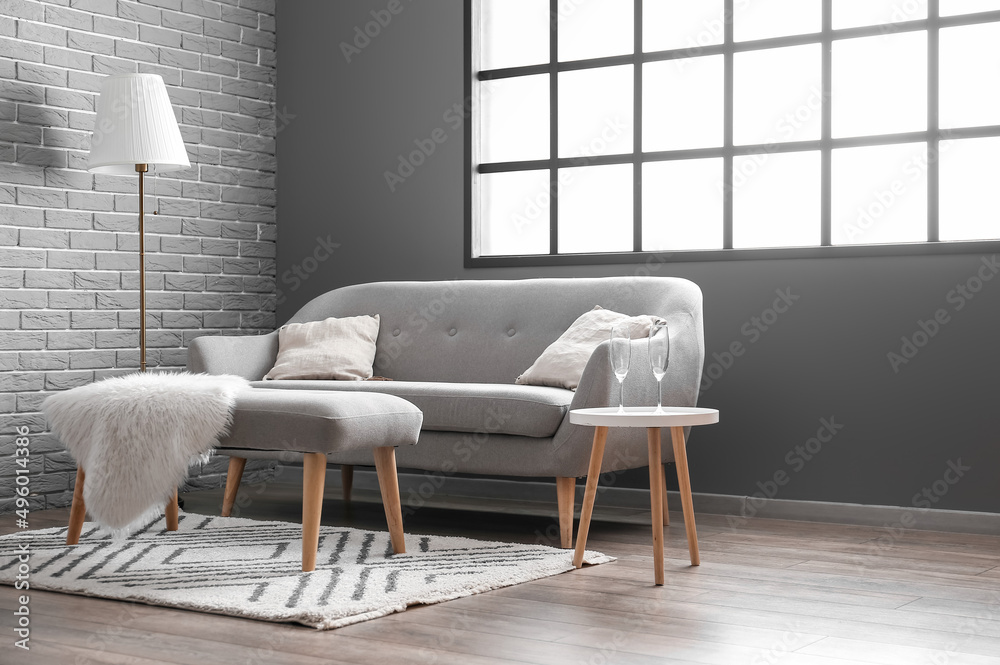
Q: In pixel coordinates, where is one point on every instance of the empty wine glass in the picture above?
(621, 354)
(659, 357)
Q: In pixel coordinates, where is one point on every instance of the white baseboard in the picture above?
(417, 490)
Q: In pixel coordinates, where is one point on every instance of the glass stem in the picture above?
(621, 395)
(659, 394)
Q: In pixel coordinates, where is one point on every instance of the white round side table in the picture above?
(674, 417)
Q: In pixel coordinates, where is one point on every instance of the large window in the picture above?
(605, 130)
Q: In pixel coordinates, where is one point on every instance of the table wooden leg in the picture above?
(171, 512)
(656, 492)
(680, 459)
(593, 475)
(78, 512)
(666, 508)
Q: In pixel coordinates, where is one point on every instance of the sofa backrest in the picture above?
(490, 331)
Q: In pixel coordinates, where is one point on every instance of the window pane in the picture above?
(880, 84)
(674, 24)
(682, 205)
(682, 103)
(952, 7)
(778, 95)
(595, 111)
(854, 13)
(969, 176)
(515, 118)
(595, 28)
(880, 194)
(968, 97)
(776, 200)
(595, 209)
(515, 33)
(761, 19)
(514, 212)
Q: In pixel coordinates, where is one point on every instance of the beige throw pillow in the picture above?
(340, 349)
(562, 364)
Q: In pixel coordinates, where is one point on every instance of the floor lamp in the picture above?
(135, 129)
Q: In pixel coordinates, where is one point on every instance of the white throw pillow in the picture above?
(562, 364)
(340, 349)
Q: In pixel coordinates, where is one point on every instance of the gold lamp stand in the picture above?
(141, 169)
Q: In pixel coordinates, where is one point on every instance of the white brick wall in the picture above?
(68, 286)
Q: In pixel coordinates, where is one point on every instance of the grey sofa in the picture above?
(454, 349)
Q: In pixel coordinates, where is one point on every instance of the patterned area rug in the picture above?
(251, 569)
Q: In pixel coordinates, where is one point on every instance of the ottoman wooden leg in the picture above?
(347, 480)
(313, 482)
(565, 490)
(233, 478)
(388, 484)
(171, 512)
(78, 512)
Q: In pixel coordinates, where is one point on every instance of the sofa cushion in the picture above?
(563, 362)
(333, 348)
(465, 407)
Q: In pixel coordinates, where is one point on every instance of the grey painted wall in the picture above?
(68, 242)
(826, 358)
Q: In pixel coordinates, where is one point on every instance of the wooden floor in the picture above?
(767, 592)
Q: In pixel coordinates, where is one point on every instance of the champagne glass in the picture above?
(621, 353)
(659, 357)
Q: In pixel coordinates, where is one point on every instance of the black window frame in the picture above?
(932, 136)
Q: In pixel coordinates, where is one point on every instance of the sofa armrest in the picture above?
(626, 446)
(249, 356)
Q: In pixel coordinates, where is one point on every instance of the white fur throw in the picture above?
(135, 436)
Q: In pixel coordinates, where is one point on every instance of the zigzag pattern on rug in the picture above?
(252, 569)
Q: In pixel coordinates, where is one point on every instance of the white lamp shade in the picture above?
(135, 124)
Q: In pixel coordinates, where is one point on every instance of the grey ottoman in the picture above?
(317, 423)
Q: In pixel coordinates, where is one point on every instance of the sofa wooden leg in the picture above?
(233, 478)
(388, 484)
(666, 509)
(313, 483)
(172, 512)
(684, 480)
(78, 512)
(566, 494)
(347, 480)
